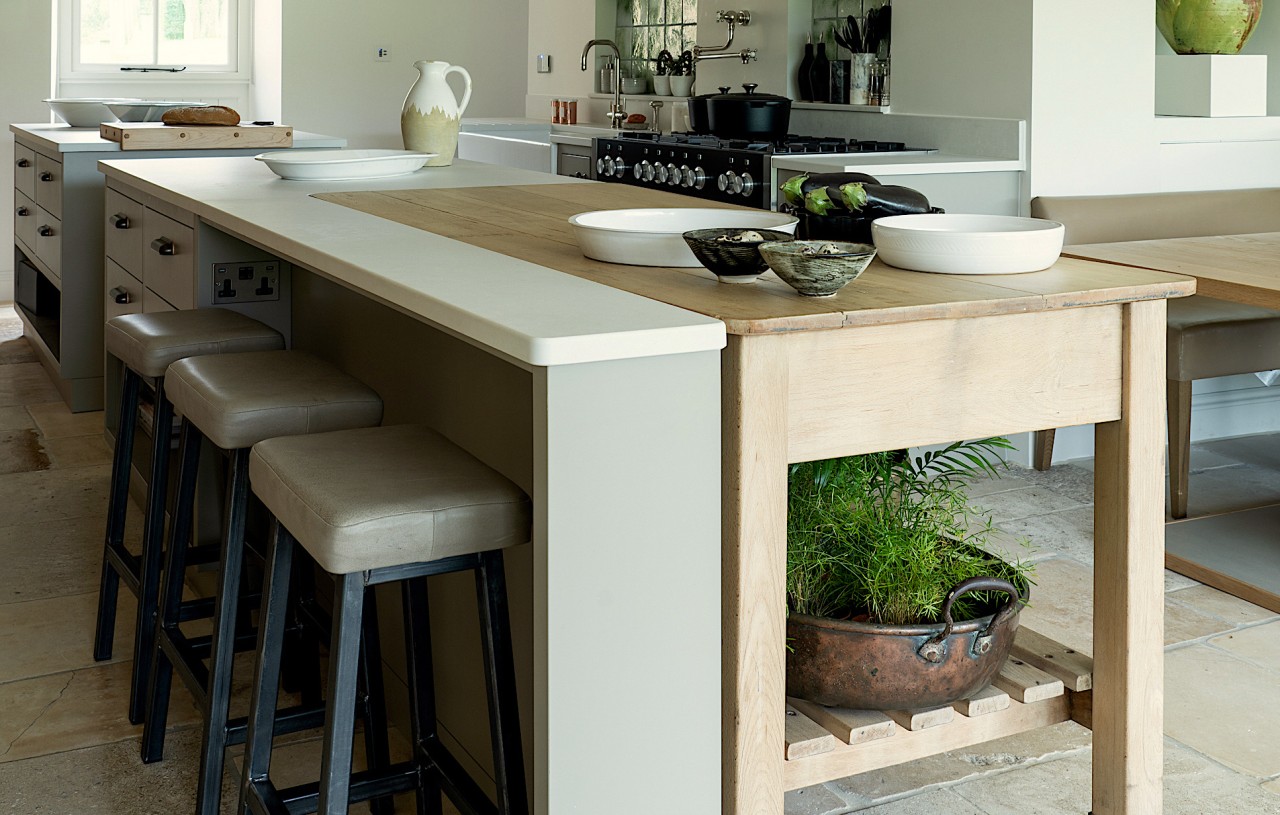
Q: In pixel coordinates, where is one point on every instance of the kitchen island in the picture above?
(603, 390)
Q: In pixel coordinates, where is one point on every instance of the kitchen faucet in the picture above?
(616, 113)
(733, 19)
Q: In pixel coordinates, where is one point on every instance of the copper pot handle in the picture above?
(934, 649)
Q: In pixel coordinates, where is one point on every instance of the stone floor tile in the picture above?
(1176, 582)
(21, 451)
(49, 495)
(1009, 479)
(67, 711)
(1021, 503)
(947, 768)
(55, 635)
(1224, 707)
(77, 451)
(1220, 604)
(815, 800)
(1014, 548)
(15, 351)
(1068, 533)
(1262, 449)
(1226, 489)
(936, 802)
(1067, 480)
(1260, 645)
(25, 383)
(1194, 785)
(15, 417)
(1272, 786)
(56, 421)
(70, 560)
(109, 779)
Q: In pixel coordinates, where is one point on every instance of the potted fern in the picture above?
(892, 601)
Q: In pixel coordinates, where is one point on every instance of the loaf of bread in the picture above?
(208, 115)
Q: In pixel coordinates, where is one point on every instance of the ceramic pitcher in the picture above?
(431, 114)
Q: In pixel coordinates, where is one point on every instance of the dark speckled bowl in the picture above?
(732, 261)
(818, 275)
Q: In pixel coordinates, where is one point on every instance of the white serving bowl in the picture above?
(967, 244)
(84, 112)
(343, 165)
(146, 111)
(654, 237)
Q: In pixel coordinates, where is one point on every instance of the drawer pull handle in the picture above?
(121, 221)
(45, 232)
(121, 296)
(23, 162)
(163, 246)
(23, 212)
(46, 176)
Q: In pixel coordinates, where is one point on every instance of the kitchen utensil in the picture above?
(968, 244)
(750, 115)
(732, 261)
(699, 119)
(803, 266)
(88, 112)
(146, 111)
(653, 237)
(343, 165)
(431, 114)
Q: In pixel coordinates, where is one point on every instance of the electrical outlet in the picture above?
(246, 282)
(382, 55)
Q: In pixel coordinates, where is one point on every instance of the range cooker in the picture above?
(739, 172)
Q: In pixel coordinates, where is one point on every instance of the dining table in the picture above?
(1235, 552)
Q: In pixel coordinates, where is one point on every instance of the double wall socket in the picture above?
(246, 282)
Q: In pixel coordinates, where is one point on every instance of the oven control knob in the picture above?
(660, 172)
(602, 165)
(696, 178)
(746, 184)
(619, 167)
(674, 175)
(638, 171)
(647, 170)
(726, 181)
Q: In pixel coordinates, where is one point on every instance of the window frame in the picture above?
(70, 69)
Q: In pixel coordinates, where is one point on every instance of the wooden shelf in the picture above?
(823, 744)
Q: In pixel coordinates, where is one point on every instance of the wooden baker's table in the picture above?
(896, 359)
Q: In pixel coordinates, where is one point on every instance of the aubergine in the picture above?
(880, 200)
(795, 188)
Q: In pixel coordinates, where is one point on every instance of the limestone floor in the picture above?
(67, 749)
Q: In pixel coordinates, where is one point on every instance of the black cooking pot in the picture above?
(699, 119)
(750, 115)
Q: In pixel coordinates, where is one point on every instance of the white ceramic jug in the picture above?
(431, 114)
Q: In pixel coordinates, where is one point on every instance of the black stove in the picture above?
(730, 170)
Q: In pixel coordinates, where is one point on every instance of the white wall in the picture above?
(331, 82)
(25, 59)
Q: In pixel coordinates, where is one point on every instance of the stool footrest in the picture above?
(268, 800)
(126, 564)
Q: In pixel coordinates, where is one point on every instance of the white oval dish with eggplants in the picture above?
(967, 244)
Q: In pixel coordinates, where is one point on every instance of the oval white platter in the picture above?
(653, 237)
(343, 165)
(967, 244)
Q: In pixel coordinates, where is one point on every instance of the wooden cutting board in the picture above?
(160, 136)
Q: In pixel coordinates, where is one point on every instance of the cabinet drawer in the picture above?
(122, 232)
(121, 286)
(24, 170)
(574, 165)
(152, 302)
(24, 220)
(49, 184)
(168, 259)
(49, 241)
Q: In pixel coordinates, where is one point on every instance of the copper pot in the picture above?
(870, 666)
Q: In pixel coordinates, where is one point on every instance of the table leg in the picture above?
(1129, 578)
(754, 397)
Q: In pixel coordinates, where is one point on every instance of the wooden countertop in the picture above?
(530, 222)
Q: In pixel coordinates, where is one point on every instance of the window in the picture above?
(100, 37)
(645, 28)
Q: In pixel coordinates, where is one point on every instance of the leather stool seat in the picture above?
(150, 343)
(237, 400)
(386, 496)
(1204, 332)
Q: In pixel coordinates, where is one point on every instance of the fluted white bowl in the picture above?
(967, 244)
(655, 237)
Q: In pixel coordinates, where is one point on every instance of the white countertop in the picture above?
(67, 139)
(894, 163)
(533, 314)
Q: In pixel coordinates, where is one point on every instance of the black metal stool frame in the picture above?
(432, 768)
(211, 686)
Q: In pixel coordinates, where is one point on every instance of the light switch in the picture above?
(544, 63)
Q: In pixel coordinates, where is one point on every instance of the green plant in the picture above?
(887, 535)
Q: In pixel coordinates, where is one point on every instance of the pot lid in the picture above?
(750, 95)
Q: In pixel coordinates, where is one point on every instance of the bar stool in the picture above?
(382, 505)
(147, 344)
(235, 401)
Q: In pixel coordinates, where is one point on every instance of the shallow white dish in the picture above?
(654, 237)
(87, 112)
(345, 165)
(967, 244)
(146, 111)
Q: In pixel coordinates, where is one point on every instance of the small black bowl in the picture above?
(732, 261)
